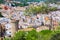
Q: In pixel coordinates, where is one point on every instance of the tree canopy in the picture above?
(1, 1)
(1, 15)
(39, 9)
(52, 1)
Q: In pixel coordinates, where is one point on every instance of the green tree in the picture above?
(56, 37)
(52, 1)
(1, 15)
(37, 9)
(20, 35)
(25, 35)
(1, 1)
(32, 35)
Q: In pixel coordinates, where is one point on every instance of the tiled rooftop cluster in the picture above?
(17, 13)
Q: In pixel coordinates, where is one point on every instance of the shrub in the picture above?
(45, 34)
(1, 15)
(32, 35)
(55, 36)
(7, 38)
(23, 35)
(19, 35)
(58, 28)
(0, 8)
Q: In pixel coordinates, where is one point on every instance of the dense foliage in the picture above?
(52, 1)
(39, 9)
(1, 15)
(21, 4)
(34, 35)
(45, 34)
(49, 1)
(1, 1)
(30, 0)
(39, 0)
(55, 36)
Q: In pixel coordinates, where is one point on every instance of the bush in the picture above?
(21, 4)
(0, 8)
(56, 36)
(45, 34)
(19, 35)
(7, 38)
(34, 35)
(1, 15)
(58, 28)
(23, 35)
